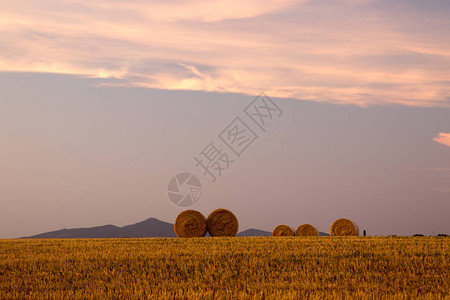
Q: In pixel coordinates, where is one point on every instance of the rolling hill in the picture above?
(151, 227)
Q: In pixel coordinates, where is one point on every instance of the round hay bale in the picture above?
(222, 222)
(283, 230)
(190, 223)
(344, 227)
(307, 230)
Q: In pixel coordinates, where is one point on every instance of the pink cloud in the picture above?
(287, 48)
(443, 138)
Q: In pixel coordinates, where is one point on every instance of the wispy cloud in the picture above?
(443, 138)
(345, 51)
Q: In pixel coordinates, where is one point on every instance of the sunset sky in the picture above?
(102, 102)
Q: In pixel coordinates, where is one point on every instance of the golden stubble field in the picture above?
(246, 267)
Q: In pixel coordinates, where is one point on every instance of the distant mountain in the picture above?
(149, 228)
(257, 232)
(105, 231)
(254, 232)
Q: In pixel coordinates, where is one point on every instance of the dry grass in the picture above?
(264, 267)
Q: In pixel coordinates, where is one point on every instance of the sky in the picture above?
(103, 102)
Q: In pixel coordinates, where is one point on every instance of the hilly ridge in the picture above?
(151, 227)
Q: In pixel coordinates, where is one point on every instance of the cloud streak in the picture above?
(443, 138)
(349, 52)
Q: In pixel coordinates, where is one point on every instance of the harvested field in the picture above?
(289, 268)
